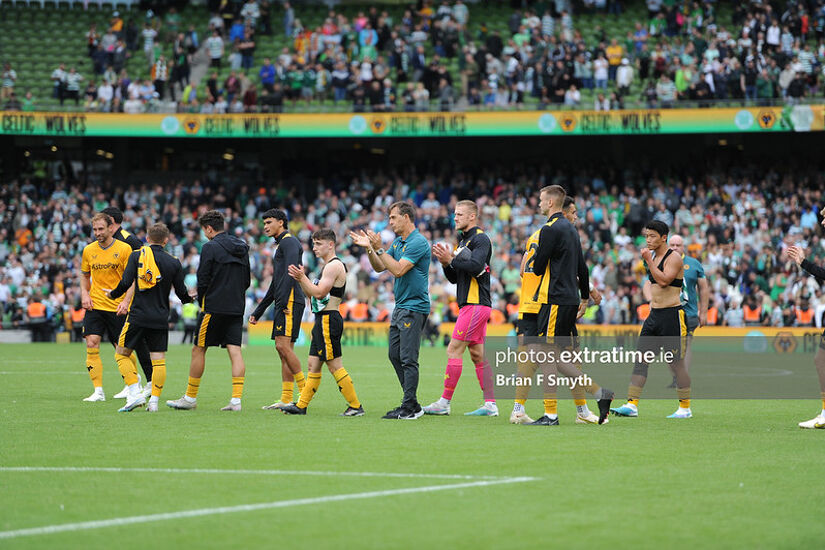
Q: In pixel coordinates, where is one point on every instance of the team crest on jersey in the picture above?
(116, 255)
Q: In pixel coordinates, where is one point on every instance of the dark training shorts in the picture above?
(288, 324)
(326, 335)
(157, 339)
(103, 323)
(217, 329)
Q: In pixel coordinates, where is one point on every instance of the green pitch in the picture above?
(739, 474)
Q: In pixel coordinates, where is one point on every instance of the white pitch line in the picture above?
(117, 522)
(240, 472)
(42, 373)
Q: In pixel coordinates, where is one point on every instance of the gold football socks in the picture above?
(344, 381)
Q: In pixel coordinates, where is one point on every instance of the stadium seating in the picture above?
(25, 29)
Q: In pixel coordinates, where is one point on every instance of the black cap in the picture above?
(115, 213)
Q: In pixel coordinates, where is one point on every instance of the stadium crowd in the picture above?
(433, 58)
(737, 222)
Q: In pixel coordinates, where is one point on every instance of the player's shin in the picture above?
(300, 381)
(158, 378)
(346, 387)
(484, 373)
(128, 370)
(451, 377)
(95, 366)
(313, 381)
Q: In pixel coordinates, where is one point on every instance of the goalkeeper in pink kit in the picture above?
(468, 267)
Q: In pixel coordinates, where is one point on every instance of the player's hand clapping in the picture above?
(796, 254)
(296, 272)
(360, 239)
(442, 253)
(375, 239)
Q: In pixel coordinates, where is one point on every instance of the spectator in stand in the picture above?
(58, 81)
(422, 97)
(624, 77)
(9, 80)
(615, 53)
(247, 49)
(250, 99)
(600, 71)
(232, 86)
(214, 47)
(28, 102)
(73, 80)
(665, 91)
(92, 39)
(572, 97)
(12, 103)
(250, 13)
(160, 73)
(105, 95)
(289, 20)
(267, 75)
(90, 96)
(149, 34)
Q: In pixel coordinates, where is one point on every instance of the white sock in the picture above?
(99, 390)
(443, 402)
(490, 405)
(582, 410)
(189, 399)
(235, 401)
(134, 388)
(822, 413)
(551, 416)
(153, 399)
(518, 408)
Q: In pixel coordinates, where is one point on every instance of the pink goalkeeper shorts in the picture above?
(471, 325)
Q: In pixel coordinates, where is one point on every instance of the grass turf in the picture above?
(739, 474)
